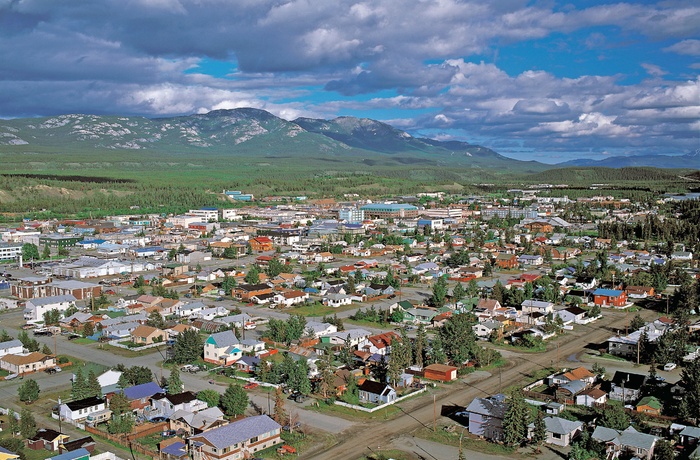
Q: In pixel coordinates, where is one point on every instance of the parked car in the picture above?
(10, 376)
(50, 370)
(669, 366)
(293, 426)
(250, 386)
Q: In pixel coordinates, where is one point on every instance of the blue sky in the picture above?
(546, 80)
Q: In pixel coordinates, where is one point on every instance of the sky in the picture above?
(543, 80)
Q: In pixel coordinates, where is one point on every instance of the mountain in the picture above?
(690, 161)
(249, 133)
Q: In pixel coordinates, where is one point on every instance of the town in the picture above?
(434, 325)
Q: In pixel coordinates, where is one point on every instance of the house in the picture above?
(609, 298)
(93, 409)
(164, 405)
(351, 337)
(639, 292)
(530, 260)
(440, 372)
(578, 374)
(629, 441)
(567, 392)
(560, 432)
(379, 344)
(486, 417)
(7, 454)
(317, 329)
(35, 308)
(375, 290)
(626, 387)
(574, 315)
(193, 423)
(246, 291)
(591, 397)
(139, 396)
(48, 439)
(261, 244)
(11, 347)
(376, 392)
(337, 300)
(506, 261)
(24, 363)
(178, 329)
(537, 306)
(147, 335)
(248, 364)
(649, 405)
(484, 329)
(289, 298)
(79, 454)
(240, 439)
(419, 315)
(222, 348)
(109, 381)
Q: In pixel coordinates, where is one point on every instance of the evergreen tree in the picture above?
(211, 397)
(234, 401)
(27, 424)
(419, 346)
(155, 319)
(253, 275)
(187, 347)
(689, 408)
(30, 251)
(88, 329)
(279, 415)
(29, 391)
(228, 284)
(92, 386)
(326, 383)
(664, 451)
(119, 404)
(516, 419)
(174, 382)
(439, 292)
(458, 338)
(79, 389)
(437, 351)
(540, 433)
(45, 349)
(46, 253)
(4, 336)
(121, 424)
(12, 422)
(458, 293)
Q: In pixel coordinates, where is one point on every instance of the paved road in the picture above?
(419, 413)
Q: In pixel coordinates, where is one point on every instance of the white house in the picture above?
(78, 411)
(537, 306)
(35, 308)
(164, 405)
(560, 432)
(337, 300)
(222, 348)
(11, 347)
(376, 392)
(317, 329)
(353, 336)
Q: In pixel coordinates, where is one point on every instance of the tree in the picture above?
(664, 451)
(27, 424)
(689, 408)
(155, 319)
(637, 323)
(174, 382)
(119, 404)
(326, 383)
(4, 336)
(187, 347)
(540, 433)
(52, 317)
(228, 284)
(419, 346)
(45, 349)
(121, 424)
(516, 419)
(253, 275)
(27, 342)
(79, 387)
(458, 338)
(92, 386)
(437, 351)
(296, 325)
(234, 400)
(614, 417)
(211, 397)
(12, 422)
(439, 292)
(279, 415)
(140, 281)
(30, 251)
(88, 329)
(458, 293)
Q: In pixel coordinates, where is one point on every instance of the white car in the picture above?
(669, 366)
(11, 376)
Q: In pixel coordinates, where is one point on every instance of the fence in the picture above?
(365, 409)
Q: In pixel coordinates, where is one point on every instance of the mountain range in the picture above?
(248, 132)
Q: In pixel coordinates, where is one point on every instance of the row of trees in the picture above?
(286, 331)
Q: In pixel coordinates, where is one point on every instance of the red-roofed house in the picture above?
(261, 244)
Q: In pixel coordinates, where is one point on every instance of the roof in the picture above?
(176, 449)
(144, 331)
(27, 358)
(388, 207)
(442, 368)
(595, 393)
(253, 287)
(562, 426)
(370, 386)
(487, 406)
(145, 390)
(608, 292)
(10, 344)
(629, 380)
(179, 398)
(41, 301)
(223, 339)
(239, 431)
(631, 437)
(578, 374)
(650, 401)
(85, 403)
(72, 455)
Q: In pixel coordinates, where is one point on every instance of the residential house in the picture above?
(574, 315)
(337, 300)
(379, 344)
(261, 244)
(222, 348)
(46, 438)
(317, 329)
(193, 423)
(109, 381)
(484, 329)
(531, 260)
(92, 409)
(626, 387)
(178, 329)
(609, 298)
(246, 291)
(289, 298)
(537, 306)
(376, 392)
(649, 405)
(139, 396)
(629, 441)
(591, 397)
(578, 374)
(376, 290)
(7, 454)
(506, 261)
(35, 308)
(560, 432)
(24, 363)
(248, 364)
(147, 335)
(237, 440)
(486, 417)
(639, 292)
(164, 405)
(353, 337)
(11, 347)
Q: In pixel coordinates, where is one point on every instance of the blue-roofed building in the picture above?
(79, 454)
(389, 211)
(174, 451)
(90, 244)
(139, 395)
(241, 439)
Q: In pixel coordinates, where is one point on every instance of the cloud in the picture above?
(688, 47)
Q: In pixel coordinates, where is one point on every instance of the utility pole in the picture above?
(638, 343)
(434, 415)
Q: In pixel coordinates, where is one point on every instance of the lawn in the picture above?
(368, 324)
(300, 441)
(443, 436)
(318, 309)
(83, 341)
(129, 353)
(351, 414)
(86, 366)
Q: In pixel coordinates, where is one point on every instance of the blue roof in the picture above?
(92, 242)
(239, 431)
(73, 455)
(208, 208)
(607, 292)
(144, 390)
(176, 449)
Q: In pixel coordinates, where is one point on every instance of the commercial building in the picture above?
(389, 211)
(10, 251)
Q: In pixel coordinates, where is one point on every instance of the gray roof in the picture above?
(224, 339)
(603, 434)
(41, 301)
(487, 406)
(574, 387)
(691, 432)
(633, 438)
(239, 431)
(10, 344)
(560, 425)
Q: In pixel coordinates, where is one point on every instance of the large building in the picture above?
(237, 440)
(389, 211)
(10, 251)
(206, 214)
(351, 215)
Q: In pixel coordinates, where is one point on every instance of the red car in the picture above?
(250, 386)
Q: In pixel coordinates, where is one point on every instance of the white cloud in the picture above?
(691, 47)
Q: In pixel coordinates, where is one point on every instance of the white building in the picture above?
(35, 308)
(10, 251)
(205, 214)
(11, 347)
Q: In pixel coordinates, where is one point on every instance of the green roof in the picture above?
(650, 401)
